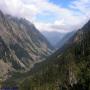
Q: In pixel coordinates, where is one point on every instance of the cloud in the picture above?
(18, 8)
(66, 19)
(69, 19)
(82, 5)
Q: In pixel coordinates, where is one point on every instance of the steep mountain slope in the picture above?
(21, 44)
(69, 70)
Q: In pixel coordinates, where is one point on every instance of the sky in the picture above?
(50, 15)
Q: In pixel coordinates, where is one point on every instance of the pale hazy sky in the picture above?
(50, 15)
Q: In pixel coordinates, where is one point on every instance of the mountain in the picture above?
(54, 37)
(21, 44)
(67, 70)
(64, 40)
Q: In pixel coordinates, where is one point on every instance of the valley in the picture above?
(66, 69)
(28, 61)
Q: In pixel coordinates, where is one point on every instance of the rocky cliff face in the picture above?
(21, 44)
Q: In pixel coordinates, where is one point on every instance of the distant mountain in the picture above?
(21, 44)
(54, 37)
(64, 40)
(64, 70)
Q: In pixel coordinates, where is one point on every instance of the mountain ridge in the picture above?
(21, 44)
